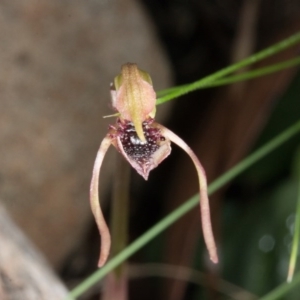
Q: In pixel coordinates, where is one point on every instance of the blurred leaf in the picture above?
(285, 113)
(296, 225)
(257, 239)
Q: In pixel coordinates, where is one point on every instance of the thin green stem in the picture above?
(241, 77)
(295, 244)
(116, 283)
(257, 73)
(292, 40)
(120, 208)
(183, 209)
(282, 289)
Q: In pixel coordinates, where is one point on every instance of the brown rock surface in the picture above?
(57, 59)
(24, 273)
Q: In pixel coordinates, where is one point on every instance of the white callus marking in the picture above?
(136, 141)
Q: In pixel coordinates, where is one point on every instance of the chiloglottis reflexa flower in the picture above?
(144, 144)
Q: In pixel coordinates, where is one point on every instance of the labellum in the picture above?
(144, 144)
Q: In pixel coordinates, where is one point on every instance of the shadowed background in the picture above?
(57, 61)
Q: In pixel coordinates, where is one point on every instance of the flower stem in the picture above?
(120, 207)
(117, 281)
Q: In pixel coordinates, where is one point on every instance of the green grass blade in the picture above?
(282, 289)
(182, 210)
(295, 244)
(292, 40)
(241, 77)
(256, 73)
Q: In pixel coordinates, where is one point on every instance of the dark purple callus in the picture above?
(142, 155)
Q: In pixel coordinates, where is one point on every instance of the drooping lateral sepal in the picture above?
(95, 202)
(204, 201)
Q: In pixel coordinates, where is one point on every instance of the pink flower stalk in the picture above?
(144, 144)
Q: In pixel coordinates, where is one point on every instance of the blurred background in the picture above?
(57, 60)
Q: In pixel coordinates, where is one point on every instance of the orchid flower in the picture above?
(144, 144)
